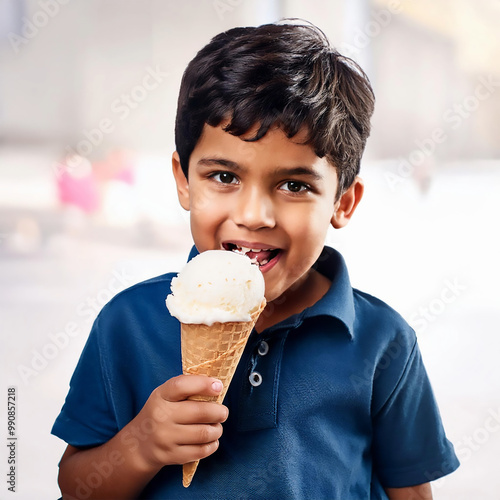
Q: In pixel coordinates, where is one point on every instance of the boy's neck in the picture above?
(314, 286)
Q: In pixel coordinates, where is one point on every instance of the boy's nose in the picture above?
(254, 210)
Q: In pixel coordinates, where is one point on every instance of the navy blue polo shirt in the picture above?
(332, 403)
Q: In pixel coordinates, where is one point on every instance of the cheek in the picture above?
(312, 223)
(201, 202)
(206, 214)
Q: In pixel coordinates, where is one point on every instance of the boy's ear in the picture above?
(346, 205)
(180, 181)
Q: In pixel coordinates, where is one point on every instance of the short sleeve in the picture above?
(409, 442)
(86, 418)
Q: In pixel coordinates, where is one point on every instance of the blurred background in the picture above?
(88, 92)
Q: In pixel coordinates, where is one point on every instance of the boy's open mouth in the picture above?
(260, 256)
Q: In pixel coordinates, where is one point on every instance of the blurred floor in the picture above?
(403, 246)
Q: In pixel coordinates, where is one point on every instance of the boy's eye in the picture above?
(294, 186)
(224, 178)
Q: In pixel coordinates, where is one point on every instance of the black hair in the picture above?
(278, 74)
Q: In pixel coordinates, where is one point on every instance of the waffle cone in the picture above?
(214, 351)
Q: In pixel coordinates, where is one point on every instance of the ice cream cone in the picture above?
(214, 351)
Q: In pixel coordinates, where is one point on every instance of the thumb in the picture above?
(185, 386)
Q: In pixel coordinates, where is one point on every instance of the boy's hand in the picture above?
(180, 431)
(168, 430)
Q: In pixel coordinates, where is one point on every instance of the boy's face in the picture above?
(274, 196)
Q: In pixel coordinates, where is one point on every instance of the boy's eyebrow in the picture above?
(300, 170)
(309, 171)
(208, 162)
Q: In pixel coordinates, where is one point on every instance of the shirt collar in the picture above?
(338, 302)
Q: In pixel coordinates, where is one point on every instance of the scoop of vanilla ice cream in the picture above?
(216, 286)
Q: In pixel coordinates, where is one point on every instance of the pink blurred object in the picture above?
(118, 166)
(82, 184)
(77, 185)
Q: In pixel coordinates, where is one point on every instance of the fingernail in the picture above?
(217, 386)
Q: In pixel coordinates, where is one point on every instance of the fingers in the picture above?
(201, 434)
(171, 399)
(190, 453)
(198, 442)
(200, 412)
(186, 429)
(184, 386)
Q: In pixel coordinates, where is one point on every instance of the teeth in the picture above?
(253, 260)
(244, 250)
(238, 250)
(255, 250)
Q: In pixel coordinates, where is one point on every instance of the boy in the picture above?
(330, 399)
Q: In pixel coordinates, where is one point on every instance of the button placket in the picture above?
(255, 379)
(263, 348)
(259, 397)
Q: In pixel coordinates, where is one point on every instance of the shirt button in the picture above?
(255, 379)
(263, 348)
